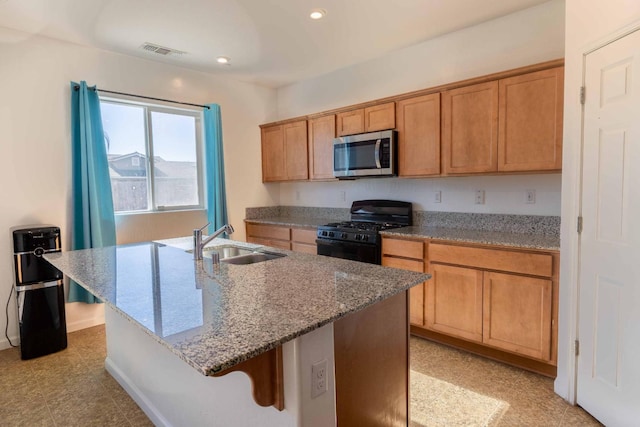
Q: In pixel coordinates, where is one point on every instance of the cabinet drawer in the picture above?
(304, 235)
(281, 244)
(403, 248)
(268, 231)
(404, 264)
(535, 264)
(305, 248)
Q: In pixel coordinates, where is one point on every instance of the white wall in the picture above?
(523, 38)
(503, 194)
(589, 23)
(35, 135)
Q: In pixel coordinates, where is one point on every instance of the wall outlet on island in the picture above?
(437, 196)
(479, 197)
(343, 196)
(297, 195)
(318, 378)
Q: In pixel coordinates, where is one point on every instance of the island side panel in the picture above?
(171, 392)
(372, 365)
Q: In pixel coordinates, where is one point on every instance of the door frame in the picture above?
(569, 309)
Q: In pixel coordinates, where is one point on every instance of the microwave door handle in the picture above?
(377, 154)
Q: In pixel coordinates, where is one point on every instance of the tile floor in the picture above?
(449, 387)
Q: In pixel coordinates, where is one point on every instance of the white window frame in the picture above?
(150, 108)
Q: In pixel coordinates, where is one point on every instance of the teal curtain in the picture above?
(93, 217)
(214, 168)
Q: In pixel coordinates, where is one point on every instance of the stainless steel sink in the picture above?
(240, 256)
(252, 258)
(226, 251)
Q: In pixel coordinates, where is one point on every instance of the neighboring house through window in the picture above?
(154, 155)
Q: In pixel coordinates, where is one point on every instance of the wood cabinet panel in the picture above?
(470, 129)
(295, 146)
(284, 152)
(322, 131)
(416, 294)
(380, 117)
(454, 301)
(418, 125)
(269, 231)
(304, 248)
(533, 263)
(273, 159)
(517, 314)
(531, 107)
(369, 371)
(350, 122)
(304, 235)
(281, 244)
(403, 248)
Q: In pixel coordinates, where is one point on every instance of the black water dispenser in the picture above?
(39, 291)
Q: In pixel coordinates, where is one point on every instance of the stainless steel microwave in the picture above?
(367, 154)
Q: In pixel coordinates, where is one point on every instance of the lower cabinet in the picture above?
(297, 239)
(454, 301)
(517, 314)
(407, 255)
(496, 301)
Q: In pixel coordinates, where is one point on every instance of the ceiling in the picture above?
(270, 42)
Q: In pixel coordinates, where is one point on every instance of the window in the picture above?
(154, 155)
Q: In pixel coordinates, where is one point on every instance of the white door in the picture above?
(608, 381)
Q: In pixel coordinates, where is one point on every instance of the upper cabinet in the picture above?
(418, 125)
(530, 135)
(508, 125)
(284, 152)
(369, 119)
(470, 129)
(322, 131)
(508, 122)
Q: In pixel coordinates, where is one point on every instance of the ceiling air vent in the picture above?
(160, 50)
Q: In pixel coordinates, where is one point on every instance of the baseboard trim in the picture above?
(4, 344)
(147, 407)
(85, 323)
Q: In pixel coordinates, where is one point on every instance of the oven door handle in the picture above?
(343, 243)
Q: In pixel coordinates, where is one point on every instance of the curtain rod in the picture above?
(76, 87)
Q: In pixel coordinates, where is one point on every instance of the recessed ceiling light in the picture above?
(317, 14)
(223, 60)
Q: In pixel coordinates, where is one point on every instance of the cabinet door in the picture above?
(350, 122)
(419, 136)
(530, 136)
(454, 301)
(470, 129)
(322, 131)
(517, 314)
(380, 117)
(416, 294)
(273, 159)
(295, 147)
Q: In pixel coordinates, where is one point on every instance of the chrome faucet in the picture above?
(199, 244)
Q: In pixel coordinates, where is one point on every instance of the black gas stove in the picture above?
(359, 239)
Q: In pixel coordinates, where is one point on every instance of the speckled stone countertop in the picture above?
(214, 317)
(518, 240)
(292, 222)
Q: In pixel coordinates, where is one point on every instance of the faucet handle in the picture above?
(203, 228)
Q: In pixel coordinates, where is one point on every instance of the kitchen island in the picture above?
(174, 323)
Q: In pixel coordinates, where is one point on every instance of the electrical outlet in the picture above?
(343, 196)
(318, 378)
(298, 195)
(479, 197)
(437, 197)
(530, 196)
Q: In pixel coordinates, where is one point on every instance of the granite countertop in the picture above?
(214, 317)
(517, 240)
(287, 221)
